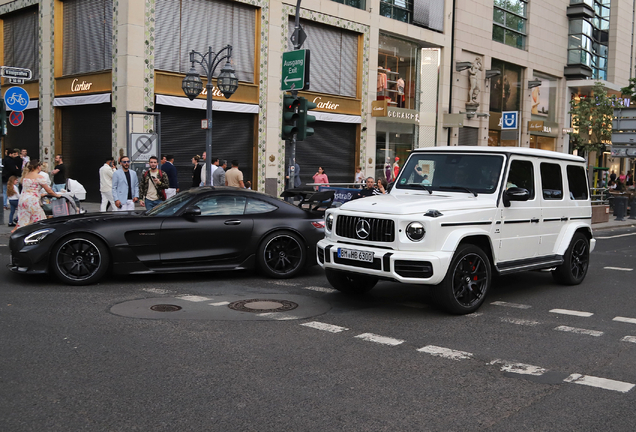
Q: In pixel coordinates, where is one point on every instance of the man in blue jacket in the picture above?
(171, 171)
(125, 186)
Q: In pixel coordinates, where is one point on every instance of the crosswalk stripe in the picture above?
(320, 289)
(512, 305)
(445, 352)
(519, 368)
(572, 312)
(603, 383)
(325, 327)
(223, 303)
(520, 321)
(631, 339)
(379, 339)
(618, 268)
(193, 298)
(625, 320)
(278, 316)
(579, 331)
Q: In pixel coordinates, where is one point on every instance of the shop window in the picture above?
(334, 58)
(20, 41)
(505, 91)
(183, 26)
(551, 182)
(88, 36)
(510, 22)
(577, 182)
(397, 72)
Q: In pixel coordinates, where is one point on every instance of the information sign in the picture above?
(293, 76)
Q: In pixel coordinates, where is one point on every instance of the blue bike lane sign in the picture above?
(16, 99)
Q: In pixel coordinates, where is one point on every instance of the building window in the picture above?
(401, 10)
(510, 22)
(424, 13)
(360, 4)
(88, 36)
(588, 38)
(20, 41)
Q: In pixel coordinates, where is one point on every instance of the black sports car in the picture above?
(203, 229)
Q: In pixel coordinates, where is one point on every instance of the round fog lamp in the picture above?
(415, 231)
(329, 222)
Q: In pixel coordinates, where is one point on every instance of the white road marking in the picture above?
(603, 383)
(278, 316)
(219, 304)
(379, 339)
(512, 305)
(616, 236)
(157, 290)
(572, 312)
(2, 244)
(412, 305)
(520, 321)
(474, 314)
(321, 289)
(284, 283)
(618, 268)
(193, 298)
(625, 320)
(519, 368)
(631, 339)
(445, 352)
(325, 327)
(579, 331)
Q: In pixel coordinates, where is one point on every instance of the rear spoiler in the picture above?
(311, 200)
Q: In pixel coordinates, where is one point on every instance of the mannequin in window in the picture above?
(396, 168)
(400, 90)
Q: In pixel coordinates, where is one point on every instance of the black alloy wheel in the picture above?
(282, 255)
(467, 281)
(575, 261)
(80, 260)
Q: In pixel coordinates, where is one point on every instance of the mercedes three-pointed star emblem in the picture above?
(363, 229)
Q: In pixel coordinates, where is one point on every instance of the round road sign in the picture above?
(16, 99)
(16, 118)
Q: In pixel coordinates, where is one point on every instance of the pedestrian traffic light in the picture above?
(290, 116)
(3, 118)
(304, 118)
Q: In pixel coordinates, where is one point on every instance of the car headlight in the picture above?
(329, 221)
(415, 231)
(37, 236)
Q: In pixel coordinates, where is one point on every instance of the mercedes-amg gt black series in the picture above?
(203, 229)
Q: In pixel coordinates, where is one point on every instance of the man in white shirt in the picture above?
(106, 184)
(215, 165)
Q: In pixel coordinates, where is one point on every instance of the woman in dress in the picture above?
(196, 173)
(320, 177)
(29, 209)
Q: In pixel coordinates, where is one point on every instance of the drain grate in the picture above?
(165, 308)
(262, 305)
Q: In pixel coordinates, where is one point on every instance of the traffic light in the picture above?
(304, 118)
(3, 118)
(290, 116)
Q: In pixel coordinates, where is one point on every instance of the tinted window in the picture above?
(171, 206)
(223, 205)
(551, 182)
(577, 182)
(257, 206)
(451, 172)
(521, 175)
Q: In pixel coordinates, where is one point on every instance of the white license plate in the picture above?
(355, 255)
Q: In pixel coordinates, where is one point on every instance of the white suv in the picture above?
(456, 216)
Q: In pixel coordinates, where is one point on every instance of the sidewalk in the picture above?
(94, 208)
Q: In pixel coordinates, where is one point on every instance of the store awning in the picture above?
(183, 102)
(82, 100)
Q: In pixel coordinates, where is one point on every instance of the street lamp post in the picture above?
(227, 82)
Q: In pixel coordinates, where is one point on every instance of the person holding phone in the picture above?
(125, 186)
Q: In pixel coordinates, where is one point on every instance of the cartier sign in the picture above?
(87, 84)
(327, 104)
(379, 108)
(77, 86)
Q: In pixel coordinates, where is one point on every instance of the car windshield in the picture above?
(449, 172)
(171, 206)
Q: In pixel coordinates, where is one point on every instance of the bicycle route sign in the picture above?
(293, 77)
(16, 118)
(16, 99)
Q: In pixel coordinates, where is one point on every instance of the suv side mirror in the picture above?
(192, 211)
(515, 194)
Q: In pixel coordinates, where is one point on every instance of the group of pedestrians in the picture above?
(221, 176)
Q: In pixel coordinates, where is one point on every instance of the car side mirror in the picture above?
(192, 211)
(515, 194)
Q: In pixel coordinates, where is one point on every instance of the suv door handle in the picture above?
(534, 220)
(233, 222)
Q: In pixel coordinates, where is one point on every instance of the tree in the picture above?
(630, 90)
(592, 119)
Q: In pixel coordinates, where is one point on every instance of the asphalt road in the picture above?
(97, 358)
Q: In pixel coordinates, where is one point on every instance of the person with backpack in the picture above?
(153, 185)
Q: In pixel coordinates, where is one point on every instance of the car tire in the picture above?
(575, 261)
(350, 283)
(80, 259)
(282, 255)
(467, 281)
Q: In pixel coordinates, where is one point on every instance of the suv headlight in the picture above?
(37, 236)
(329, 221)
(415, 231)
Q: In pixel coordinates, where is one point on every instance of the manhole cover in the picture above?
(258, 305)
(165, 308)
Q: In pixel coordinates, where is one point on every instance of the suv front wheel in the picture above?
(467, 281)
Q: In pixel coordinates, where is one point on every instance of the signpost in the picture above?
(295, 65)
(144, 145)
(509, 119)
(16, 99)
(16, 73)
(16, 118)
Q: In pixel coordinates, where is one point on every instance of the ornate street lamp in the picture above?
(192, 86)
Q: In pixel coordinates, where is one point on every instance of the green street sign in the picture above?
(294, 66)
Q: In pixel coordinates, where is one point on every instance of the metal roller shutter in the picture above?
(468, 136)
(20, 40)
(86, 143)
(182, 136)
(332, 147)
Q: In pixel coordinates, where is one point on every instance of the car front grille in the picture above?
(365, 228)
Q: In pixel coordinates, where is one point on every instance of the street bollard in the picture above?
(632, 208)
(620, 207)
